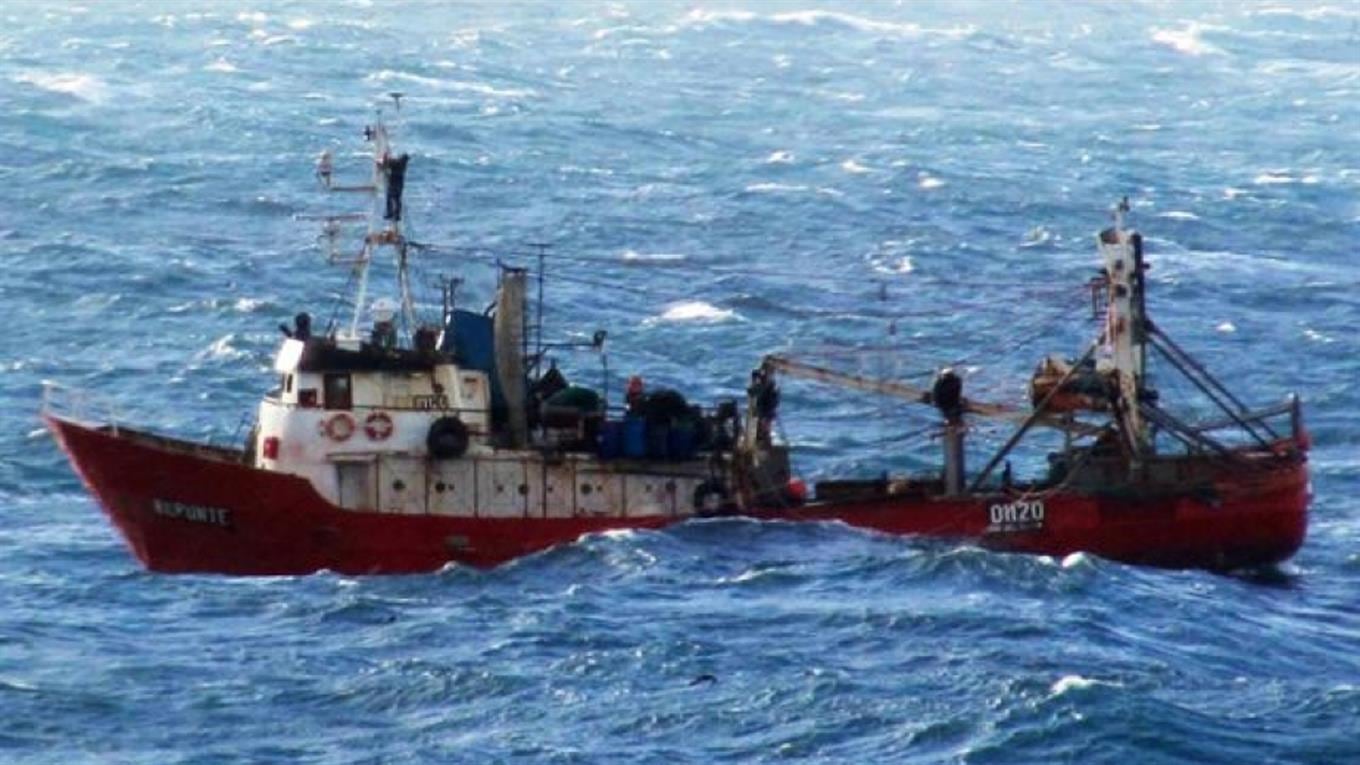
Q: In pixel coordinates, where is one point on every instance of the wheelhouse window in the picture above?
(338, 391)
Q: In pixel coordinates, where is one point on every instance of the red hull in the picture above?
(181, 511)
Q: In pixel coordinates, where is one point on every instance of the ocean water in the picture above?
(716, 181)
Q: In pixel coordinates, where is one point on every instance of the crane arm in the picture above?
(905, 392)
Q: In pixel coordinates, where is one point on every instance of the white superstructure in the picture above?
(375, 425)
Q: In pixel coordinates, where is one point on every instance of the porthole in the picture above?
(586, 488)
(398, 485)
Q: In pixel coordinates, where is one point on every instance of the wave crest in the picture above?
(85, 87)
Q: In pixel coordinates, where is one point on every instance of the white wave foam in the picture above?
(849, 97)
(632, 256)
(301, 24)
(17, 685)
(86, 87)
(696, 311)
(929, 182)
(1074, 682)
(464, 39)
(779, 158)
(632, 30)
(862, 24)
(853, 167)
(577, 169)
(457, 86)
(759, 188)
(1178, 215)
(1226, 328)
(222, 348)
(221, 65)
(700, 17)
(1037, 237)
(1274, 178)
(1186, 40)
(749, 575)
(1072, 560)
(269, 40)
(1309, 14)
(904, 265)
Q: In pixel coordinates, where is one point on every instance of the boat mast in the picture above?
(384, 217)
(1123, 340)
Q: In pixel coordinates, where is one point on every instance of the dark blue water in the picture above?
(717, 182)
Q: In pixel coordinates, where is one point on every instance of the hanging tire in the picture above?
(447, 439)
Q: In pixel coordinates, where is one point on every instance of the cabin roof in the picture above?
(323, 355)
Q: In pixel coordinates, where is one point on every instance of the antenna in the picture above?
(542, 252)
(1120, 210)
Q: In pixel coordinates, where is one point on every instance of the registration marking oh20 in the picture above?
(1018, 515)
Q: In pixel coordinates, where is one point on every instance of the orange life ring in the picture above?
(378, 426)
(339, 427)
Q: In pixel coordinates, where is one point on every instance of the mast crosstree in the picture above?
(384, 222)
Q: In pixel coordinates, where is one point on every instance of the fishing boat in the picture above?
(392, 445)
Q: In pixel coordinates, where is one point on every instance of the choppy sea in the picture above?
(918, 182)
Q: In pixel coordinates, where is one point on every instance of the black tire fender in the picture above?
(448, 438)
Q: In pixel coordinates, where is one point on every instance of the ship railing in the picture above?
(273, 399)
(464, 413)
(80, 405)
(1290, 407)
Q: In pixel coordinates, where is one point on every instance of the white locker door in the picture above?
(502, 491)
(452, 487)
(401, 485)
(356, 485)
(599, 493)
(649, 495)
(550, 490)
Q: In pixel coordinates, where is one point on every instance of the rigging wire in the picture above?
(676, 267)
(339, 299)
(1061, 314)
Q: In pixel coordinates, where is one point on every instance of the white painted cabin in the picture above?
(320, 425)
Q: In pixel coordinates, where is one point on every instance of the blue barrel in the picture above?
(635, 437)
(658, 440)
(611, 440)
(682, 442)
